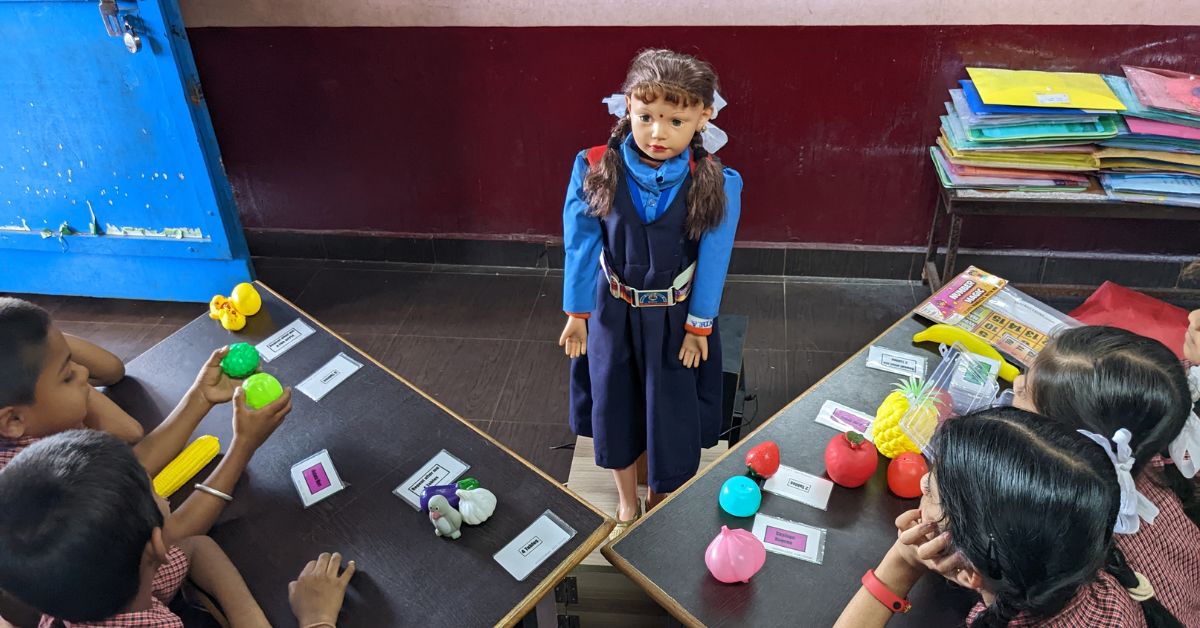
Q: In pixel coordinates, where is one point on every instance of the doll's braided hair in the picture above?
(679, 79)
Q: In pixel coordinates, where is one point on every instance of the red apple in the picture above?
(850, 459)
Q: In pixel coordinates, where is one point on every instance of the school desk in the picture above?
(379, 430)
(664, 551)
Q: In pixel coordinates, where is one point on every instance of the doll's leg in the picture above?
(627, 504)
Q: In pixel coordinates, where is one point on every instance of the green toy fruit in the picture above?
(241, 361)
(261, 389)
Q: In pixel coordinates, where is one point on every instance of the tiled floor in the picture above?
(484, 340)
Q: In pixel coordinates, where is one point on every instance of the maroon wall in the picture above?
(472, 130)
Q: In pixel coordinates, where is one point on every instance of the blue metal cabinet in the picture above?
(111, 182)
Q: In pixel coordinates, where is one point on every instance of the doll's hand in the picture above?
(212, 384)
(694, 349)
(574, 337)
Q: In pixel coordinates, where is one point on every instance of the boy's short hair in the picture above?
(76, 515)
(23, 330)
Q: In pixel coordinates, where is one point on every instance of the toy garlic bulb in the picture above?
(476, 505)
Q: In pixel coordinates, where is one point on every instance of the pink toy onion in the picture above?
(734, 555)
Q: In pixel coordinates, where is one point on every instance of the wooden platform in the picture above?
(595, 485)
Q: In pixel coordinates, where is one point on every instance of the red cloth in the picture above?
(1118, 306)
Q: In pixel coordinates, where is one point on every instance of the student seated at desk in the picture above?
(1030, 506)
(81, 533)
(43, 391)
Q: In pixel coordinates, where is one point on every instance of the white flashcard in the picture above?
(534, 545)
(899, 362)
(328, 376)
(316, 478)
(790, 538)
(797, 485)
(443, 468)
(284, 339)
(845, 419)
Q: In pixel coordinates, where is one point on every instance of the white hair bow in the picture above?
(1134, 505)
(714, 138)
(1186, 446)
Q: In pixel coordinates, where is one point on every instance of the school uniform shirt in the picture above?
(1167, 551)
(166, 585)
(1102, 604)
(656, 187)
(10, 447)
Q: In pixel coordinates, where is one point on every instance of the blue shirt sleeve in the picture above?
(581, 243)
(716, 245)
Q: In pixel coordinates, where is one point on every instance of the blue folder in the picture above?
(979, 107)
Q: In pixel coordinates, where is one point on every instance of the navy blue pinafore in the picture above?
(630, 392)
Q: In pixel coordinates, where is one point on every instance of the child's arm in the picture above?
(212, 571)
(104, 368)
(897, 573)
(165, 442)
(316, 595)
(105, 415)
(251, 428)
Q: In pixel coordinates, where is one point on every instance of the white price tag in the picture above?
(284, 339)
(899, 362)
(534, 545)
(316, 478)
(799, 486)
(443, 468)
(790, 538)
(328, 376)
(845, 419)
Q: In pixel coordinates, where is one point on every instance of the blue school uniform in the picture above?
(630, 392)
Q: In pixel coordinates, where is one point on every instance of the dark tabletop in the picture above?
(664, 551)
(379, 430)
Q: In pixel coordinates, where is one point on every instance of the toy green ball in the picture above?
(261, 389)
(468, 484)
(241, 361)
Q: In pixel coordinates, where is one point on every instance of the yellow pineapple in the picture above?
(890, 440)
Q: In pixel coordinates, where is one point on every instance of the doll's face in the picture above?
(664, 130)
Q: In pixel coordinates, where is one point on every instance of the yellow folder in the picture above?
(1030, 88)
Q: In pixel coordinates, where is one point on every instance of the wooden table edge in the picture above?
(547, 584)
(662, 597)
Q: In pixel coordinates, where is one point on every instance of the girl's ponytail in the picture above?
(600, 185)
(706, 200)
(1157, 615)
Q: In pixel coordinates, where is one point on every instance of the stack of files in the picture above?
(1161, 189)
(1026, 131)
(1136, 108)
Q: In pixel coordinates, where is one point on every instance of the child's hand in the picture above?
(574, 337)
(316, 595)
(1191, 341)
(253, 427)
(922, 542)
(212, 384)
(694, 349)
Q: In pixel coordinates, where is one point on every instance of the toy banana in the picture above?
(186, 465)
(949, 334)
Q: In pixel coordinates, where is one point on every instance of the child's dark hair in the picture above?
(77, 514)
(1103, 379)
(23, 329)
(682, 80)
(1031, 504)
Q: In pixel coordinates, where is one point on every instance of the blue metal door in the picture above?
(111, 181)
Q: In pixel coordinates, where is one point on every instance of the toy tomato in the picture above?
(850, 459)
(904, 475)
(763, 459)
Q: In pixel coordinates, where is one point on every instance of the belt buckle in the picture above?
(653, 298)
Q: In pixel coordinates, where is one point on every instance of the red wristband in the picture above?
(699, 331)
(881, 592)
(583, 315)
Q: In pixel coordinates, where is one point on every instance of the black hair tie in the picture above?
(699, 152)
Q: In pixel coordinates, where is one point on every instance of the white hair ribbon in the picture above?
(1186, 447)
(1134, 505)
(714, 138)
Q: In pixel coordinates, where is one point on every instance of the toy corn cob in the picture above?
(186, 465)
